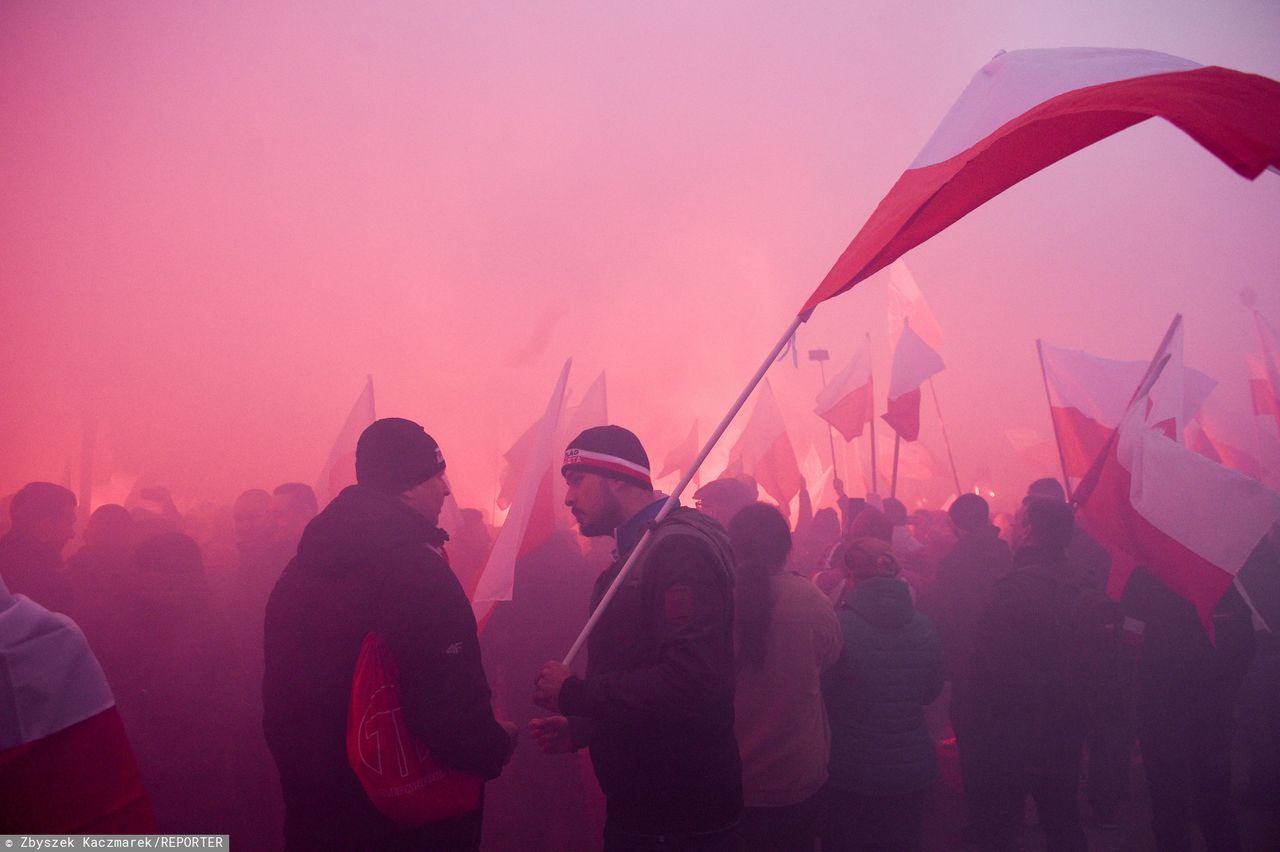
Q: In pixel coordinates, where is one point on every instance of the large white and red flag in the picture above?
(65, 762)
(340, 468)
(1027, 109)
(764, 451)
(1153, 502)
(847, 402)
(532, 516)
(1088, 395)
(914, 361)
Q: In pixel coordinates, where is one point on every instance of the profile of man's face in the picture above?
(591, 499)
(427, 497)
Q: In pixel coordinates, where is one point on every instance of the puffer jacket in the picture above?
(890, 667)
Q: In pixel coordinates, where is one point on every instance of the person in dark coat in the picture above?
(1044, 666)
(657, 697)
(43, 519)
(890, 667)
(373, 561)
(1186, 714)
(964, 580)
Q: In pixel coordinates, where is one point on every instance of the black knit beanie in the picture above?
(612, 451)
(395, 454)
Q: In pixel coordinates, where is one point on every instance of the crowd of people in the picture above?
(751, 683)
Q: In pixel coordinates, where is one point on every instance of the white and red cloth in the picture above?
(847, 402)
(1088, 396)
(1153, 502)
(914, 361)
(1027, 109)
(65, 763)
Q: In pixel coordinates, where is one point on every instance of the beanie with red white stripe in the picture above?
(611, 451)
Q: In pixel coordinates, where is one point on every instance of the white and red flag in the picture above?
(1027, 109)
(532, 516)
(1191, 522)
(764, 451)
(1088, 395)
(847, 402)
(907, 306)
(682, 456)
(1264, 383)
(65, 762)
(914, 361)
(340, 469)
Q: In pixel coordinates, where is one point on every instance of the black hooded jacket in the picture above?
(368, 562)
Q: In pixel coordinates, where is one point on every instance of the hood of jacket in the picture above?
(883, 602)
(358, 525)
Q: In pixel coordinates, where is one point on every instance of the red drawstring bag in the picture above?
(404, 782)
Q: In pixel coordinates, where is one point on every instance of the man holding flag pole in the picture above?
(1022, 112)
(656, 704)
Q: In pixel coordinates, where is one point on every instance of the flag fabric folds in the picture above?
(1191, 522)
(1027, 109)
(764, 451)
(1088, 396)
(913, 362)
(1265, 382)
(907, 306)
(682, 456)
(65, 761)
(531, 519)
(847, 402)
(340, 470)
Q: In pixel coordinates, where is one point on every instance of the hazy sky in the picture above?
(219, 217)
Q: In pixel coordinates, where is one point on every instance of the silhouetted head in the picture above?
(870, 557)
(723, 498)
(293, 505)
(170, 553)
(606, 470)
(895, 511)
(759, 534)
(970, 513)
(46, 512)
(251, 515)
(397, 456)
(1048, 523)
(110, 528)
(870, 522)
(1047, 489)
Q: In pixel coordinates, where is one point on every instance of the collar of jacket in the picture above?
(629, 531)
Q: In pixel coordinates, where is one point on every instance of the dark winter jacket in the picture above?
(890, 667)
(659, 684)
(955, 600)
(1045, 660)
(369, 563)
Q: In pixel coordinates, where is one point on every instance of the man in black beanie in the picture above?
(373, 561)
(656, 705)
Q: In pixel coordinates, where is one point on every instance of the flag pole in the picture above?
(1057, 439)
(893, 485)
(945, 440)
(875, 478)
(831, 440)
(685, 479)
(1154, 369)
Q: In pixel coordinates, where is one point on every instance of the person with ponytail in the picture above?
(786, 635)
(890, 667)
